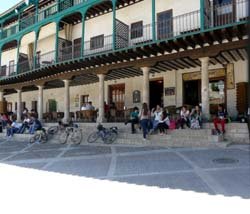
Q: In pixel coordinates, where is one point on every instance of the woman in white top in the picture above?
(184, 117)
(156, 114)
(164, 123)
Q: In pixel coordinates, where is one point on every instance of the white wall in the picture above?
(8, 56)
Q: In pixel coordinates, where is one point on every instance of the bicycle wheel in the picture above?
(76, 136)
(35, 138)
(44, 138)
(110, 137)
(63, 137)
(93, 137)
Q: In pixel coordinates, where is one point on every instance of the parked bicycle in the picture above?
(40, 136)
(108, 136)
(72, 133)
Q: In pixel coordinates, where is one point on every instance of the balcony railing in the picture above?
(9, 31)
(127, 38)
(228, 13)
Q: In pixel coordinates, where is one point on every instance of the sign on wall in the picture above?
(136, 96)
(197, 75)
(170, 91)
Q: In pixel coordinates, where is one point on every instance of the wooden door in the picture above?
(117, 95)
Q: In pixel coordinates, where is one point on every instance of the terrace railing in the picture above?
(181, 25)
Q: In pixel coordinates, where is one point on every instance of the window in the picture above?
(3, 71)
(84, 99)
(136, 30)
(77, 47)
(97, 42)
(165, 24)
(11, 67)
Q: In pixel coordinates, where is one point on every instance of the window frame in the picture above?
(136, 30)
(97, 45)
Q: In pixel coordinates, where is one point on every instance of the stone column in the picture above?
(101, 117)
(205, 87)
(66, 118)
(19, 103)
(1, 95)
(145, 85)
(40, 102)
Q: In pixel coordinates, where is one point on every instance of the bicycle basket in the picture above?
(100, 127)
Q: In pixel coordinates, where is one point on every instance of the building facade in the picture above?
(57, 54)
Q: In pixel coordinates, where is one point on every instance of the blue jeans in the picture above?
(33, 128)
(11, 131)
(144, 125)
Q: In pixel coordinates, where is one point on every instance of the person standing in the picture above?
(144, 119)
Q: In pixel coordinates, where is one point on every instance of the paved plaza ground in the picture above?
(223, 172)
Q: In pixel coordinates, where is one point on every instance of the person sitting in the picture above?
(83, 108)
(164, 122)
(12, 127)
(4, 119)
(184, 118)
(89, 106)
(25, 124)
(156, 114)
(220, 119)
(196, 118)
(36, 125)
(134, 119)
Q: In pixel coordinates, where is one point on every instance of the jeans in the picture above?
(11, 131)
(23, 128)
(133, 122)
(33, 128)
(144, 125)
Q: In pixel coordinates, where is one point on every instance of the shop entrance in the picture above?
(156, 93)
(192, 92)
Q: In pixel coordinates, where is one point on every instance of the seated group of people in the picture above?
(30, 123)
(87, 106)
(161, 119)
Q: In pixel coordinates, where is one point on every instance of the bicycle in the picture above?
(108, 136)
(40, 136)
(73, 133)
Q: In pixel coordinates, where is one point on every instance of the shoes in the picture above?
(125, 123)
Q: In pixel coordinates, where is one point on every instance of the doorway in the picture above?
(117, 95)
(156, 93)
(192, 92)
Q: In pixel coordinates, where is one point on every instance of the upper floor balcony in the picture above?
(122, 35)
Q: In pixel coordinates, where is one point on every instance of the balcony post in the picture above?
(153, 21)
(35, 48)
(36, 12)
(1, 32)
(56, 42)
(202, 14)
(17, 56)
(83, 33)
(114, 24)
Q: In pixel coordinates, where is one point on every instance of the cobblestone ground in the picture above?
(224, 172)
